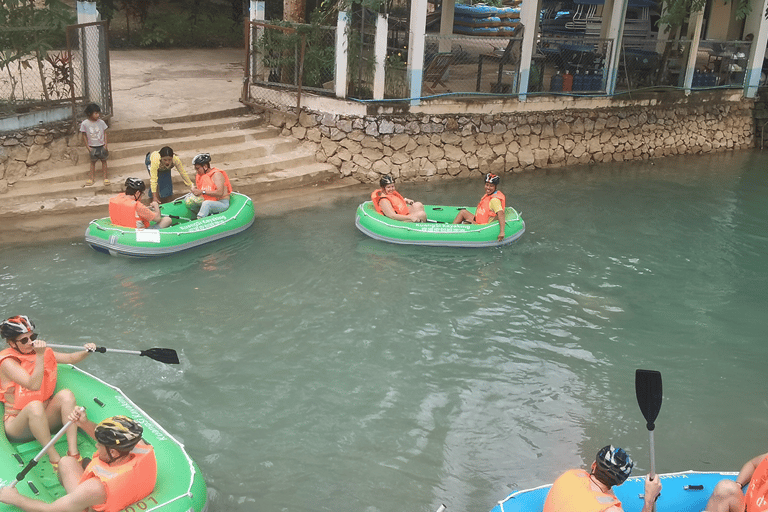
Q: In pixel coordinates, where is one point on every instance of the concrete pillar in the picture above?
(529, 17)
(416, 48)
(342, 54)
(696, 22)
(90, 43)
(446, 25)
(380, 55)
(757, 25)
(615, 11)
(257, 12)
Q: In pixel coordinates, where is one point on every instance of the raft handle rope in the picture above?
(408, 228)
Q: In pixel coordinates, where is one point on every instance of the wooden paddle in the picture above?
(164, 355)
(31, 464)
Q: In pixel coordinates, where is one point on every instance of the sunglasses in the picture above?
(24, 341)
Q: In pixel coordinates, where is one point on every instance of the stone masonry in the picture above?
(416, 148)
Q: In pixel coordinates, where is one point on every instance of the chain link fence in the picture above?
(75, 73)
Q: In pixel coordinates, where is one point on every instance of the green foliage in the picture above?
(676, 12)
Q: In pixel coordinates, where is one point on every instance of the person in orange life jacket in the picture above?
(390, 203)
(491, 206)
(27, 380)
(122, 472)
(728, 495)
(213, 184)
(579, 491)
(128, 211)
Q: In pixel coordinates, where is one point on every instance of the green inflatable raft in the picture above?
(180, 486)
(186, 231)
(438, 230)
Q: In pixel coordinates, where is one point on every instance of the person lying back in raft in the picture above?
(128, 211)
(390, 203)
(123, 471)
(579, 491)
(491, 206)
(728, 495)
(28, 374)
(213, 184)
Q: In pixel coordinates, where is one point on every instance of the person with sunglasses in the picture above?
(28, 371)
(490, 207)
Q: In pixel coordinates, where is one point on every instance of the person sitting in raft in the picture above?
(122, 472)
(390, 203)
(159, 165)
(28, 374)
(728, 495)
(491, 206)
(579, 491)
(213, 184)
(128, 211)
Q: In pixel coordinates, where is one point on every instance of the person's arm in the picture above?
(85, 139)
(154, 165)
(17, 374)
(389, 211)
(75, 357)
(220, 184)
(180, 167)
(502, 223)
(85, 495)
(745, 475)
(652, 491)
(105, 128)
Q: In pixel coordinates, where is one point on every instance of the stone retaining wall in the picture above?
(414, 147)
(32, 151)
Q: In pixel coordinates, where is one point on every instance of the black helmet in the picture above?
(202, 158)
(613, 465)
(492, 178)
(386, 180)
(118, 432)
(135, 184)
(16, 326)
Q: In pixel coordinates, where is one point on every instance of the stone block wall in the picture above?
(419, 147)
(32, 151)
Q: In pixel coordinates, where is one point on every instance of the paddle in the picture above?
(164, 355)
(31, 464)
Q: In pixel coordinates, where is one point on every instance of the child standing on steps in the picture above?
(94, 132)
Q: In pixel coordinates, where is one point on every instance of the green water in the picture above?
(322, 370)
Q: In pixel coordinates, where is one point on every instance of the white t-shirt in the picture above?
(94, 131)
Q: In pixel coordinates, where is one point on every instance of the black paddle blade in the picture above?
(649, 394)
(164, 355)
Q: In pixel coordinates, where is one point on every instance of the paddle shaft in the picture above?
(163, 355)
(31, 464)
(98, 349)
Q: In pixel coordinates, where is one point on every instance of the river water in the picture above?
(323, 370)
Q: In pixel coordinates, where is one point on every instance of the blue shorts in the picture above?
(164, 181)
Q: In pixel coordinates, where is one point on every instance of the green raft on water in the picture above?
(438, 230)
(186, 232)
(180, 486)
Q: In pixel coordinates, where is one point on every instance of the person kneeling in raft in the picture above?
(28, 372)
(491, 206)
(123, 470)
(128, 211)
(213, 184)
(390, 203)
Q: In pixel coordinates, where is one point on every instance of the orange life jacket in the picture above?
(572, 491)
(397, 201)
(757, 492)
(483, 213)
(205, 183)
(122, 211)
(16, 396)
(126, 483)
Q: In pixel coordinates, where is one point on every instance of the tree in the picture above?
(294, 10)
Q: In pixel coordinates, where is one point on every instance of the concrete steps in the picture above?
(256, 157)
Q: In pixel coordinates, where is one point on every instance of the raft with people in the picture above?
(185, 232)
(686, 491)
(439, 229)
(180, 486)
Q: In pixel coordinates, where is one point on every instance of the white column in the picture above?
(257, 12)
(615, 32)
(89, 46)
(697, 19)
(380, 56)
(342, 54)
(446, 25)
(757, 25)
(416, 48)
(529, 17)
